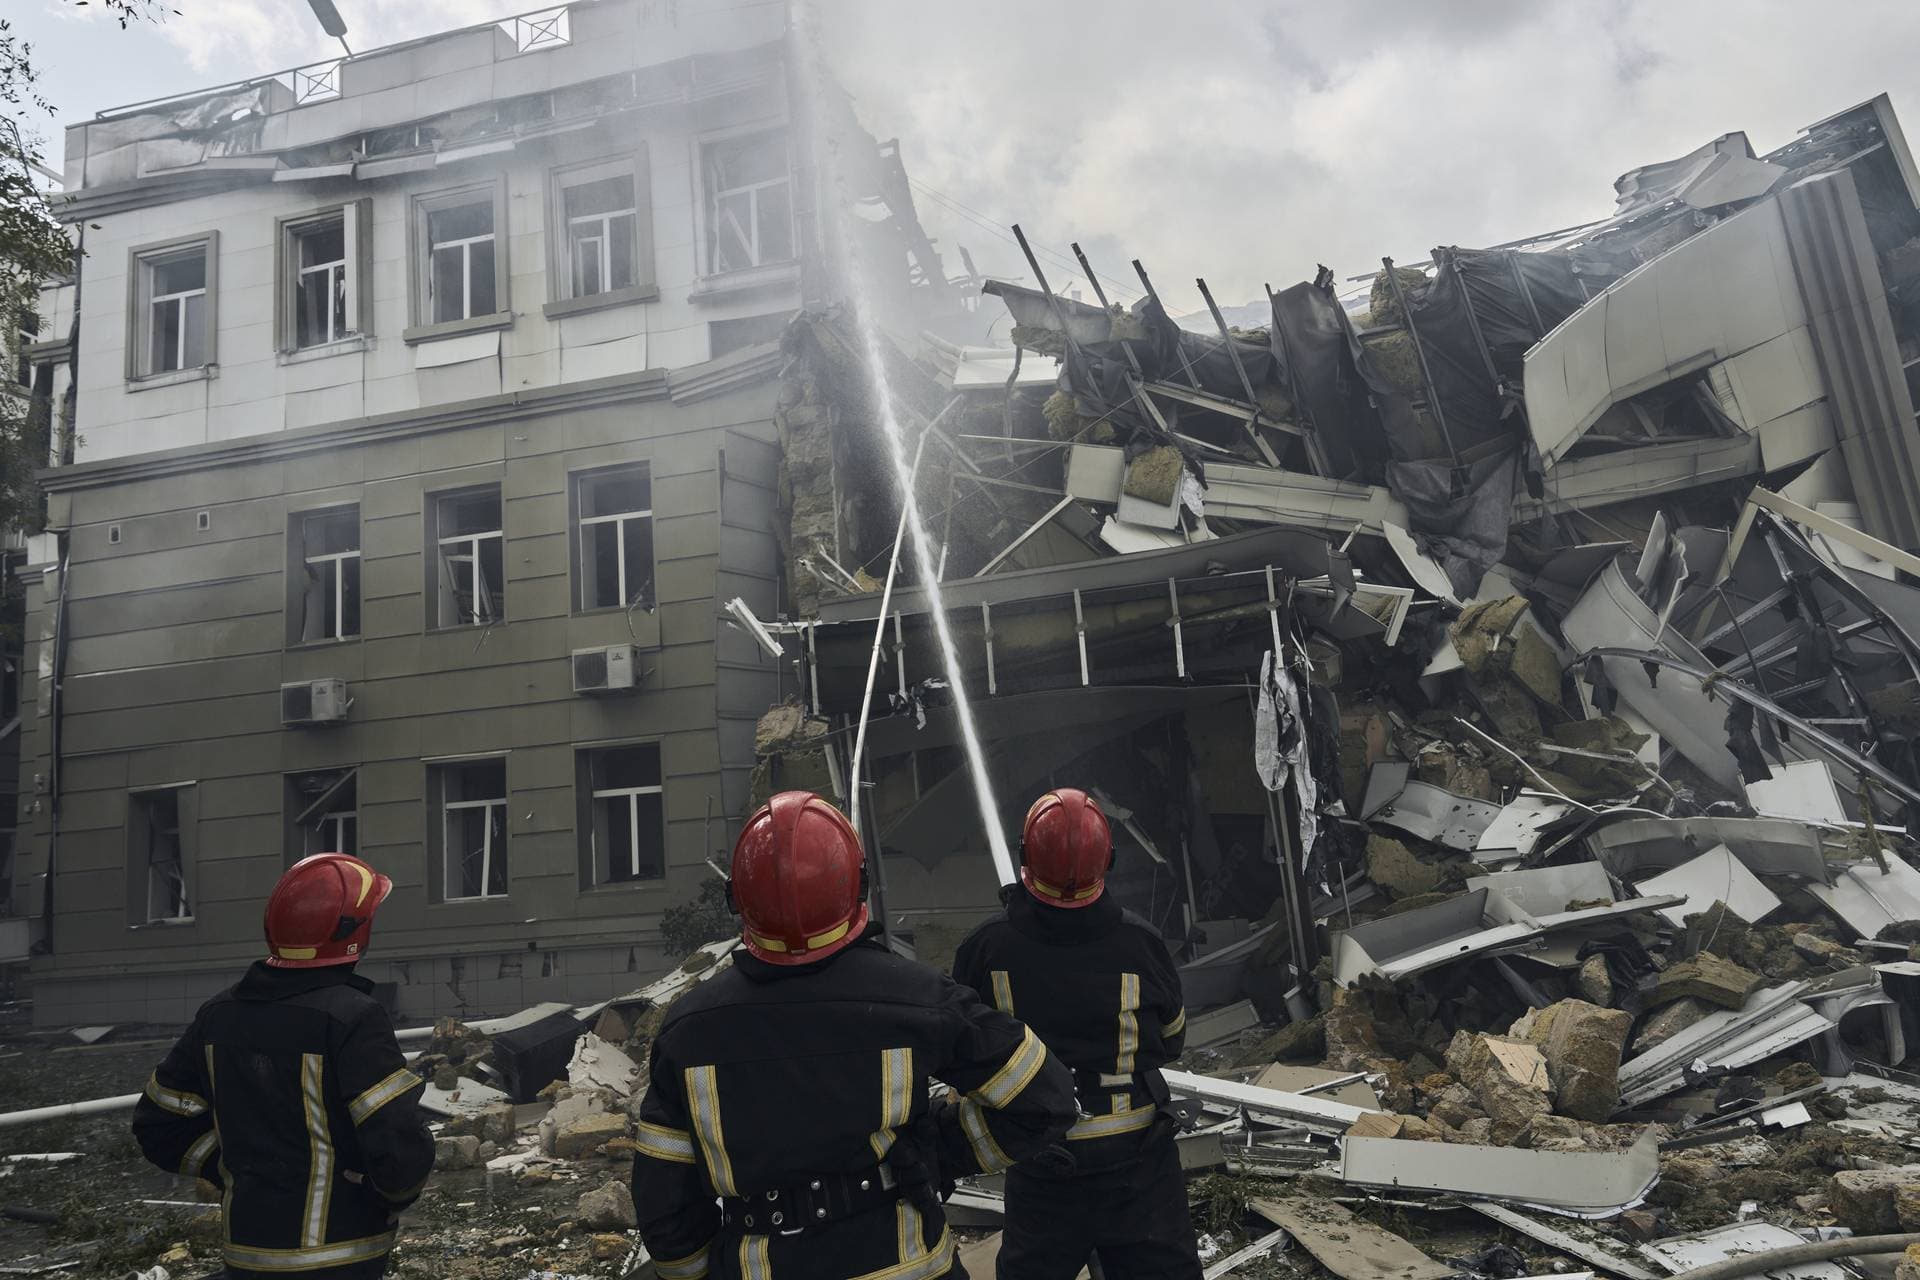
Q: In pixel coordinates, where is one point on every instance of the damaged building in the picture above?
(415, 412)
(1447, 648)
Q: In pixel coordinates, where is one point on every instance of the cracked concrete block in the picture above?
(1710, 978)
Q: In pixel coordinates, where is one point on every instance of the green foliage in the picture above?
(35, 250)
(702, 919)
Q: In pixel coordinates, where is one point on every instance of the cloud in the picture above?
(1248, 140)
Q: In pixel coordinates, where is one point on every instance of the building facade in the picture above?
(420, 427)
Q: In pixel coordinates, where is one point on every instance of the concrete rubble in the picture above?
(1506, 664)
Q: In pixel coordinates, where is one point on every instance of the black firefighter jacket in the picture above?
(767, 1076)
(1098, 986)
(290, 1094)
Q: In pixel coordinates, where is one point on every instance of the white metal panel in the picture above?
(1775, 378)
(1566, 380)
(1714, 876)
(1636, 350)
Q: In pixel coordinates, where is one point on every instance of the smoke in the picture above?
(1248, 140)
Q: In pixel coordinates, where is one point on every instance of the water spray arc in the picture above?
(926, 556)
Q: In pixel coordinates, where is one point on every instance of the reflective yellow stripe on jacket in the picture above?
(703, 1100)
(345, 1253)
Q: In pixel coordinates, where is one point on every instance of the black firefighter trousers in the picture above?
(1134, 1216)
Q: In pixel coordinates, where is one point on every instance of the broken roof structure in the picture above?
(1500, 674)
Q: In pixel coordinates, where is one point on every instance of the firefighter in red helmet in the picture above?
(1096, 982)
(289, 1093)
(787, 1127)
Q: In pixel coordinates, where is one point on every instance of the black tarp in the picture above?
(1517, 298)
(1311, 340)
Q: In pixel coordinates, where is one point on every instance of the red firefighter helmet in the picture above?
(1066, 849)
(321, 912)
(799, 880)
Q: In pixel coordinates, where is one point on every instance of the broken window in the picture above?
(749, 202)
(157, 857)
(600, 222)
(323, 279)
(470, 569)
(471, 797)
(323, 813)
(461, 269)
(172, 309)
(326, 546)
(623, 831)
(614, 546)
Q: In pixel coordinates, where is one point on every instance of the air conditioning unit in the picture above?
(314, 702)
(613, 669)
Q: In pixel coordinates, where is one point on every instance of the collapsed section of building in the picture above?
(1447, 573)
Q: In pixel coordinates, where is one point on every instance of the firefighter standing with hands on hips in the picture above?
(289, 1093)
(787, 1129)
(1096, 982)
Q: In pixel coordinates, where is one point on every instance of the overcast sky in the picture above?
(1240, 140)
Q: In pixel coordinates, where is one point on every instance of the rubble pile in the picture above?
(1500, 671)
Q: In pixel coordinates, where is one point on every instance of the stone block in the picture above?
(1669, 1022)
(1708, 977)
(1393, 867)
(1582, 1044)
(583, 1136)
(461, 1152)
(1867, 1200)
(609, 1208)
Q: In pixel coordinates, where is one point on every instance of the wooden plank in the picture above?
(1352, 1248)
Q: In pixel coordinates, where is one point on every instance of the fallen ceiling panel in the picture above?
(1768, 846)
(1543, 891)
(1423, 810)
(1714, 876)
(1870, 899)
(1579, 1184)
(1351, 1248)
(1612, 614)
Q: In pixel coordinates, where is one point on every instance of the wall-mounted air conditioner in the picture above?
(612, 669)
(314, 702)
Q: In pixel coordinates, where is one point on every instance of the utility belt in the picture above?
(824, 1198)
(1093, 1087)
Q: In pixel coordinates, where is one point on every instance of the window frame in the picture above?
(576, 536)
(561, 300)
(587, 800)
(298, 805)
(357, 226)
(439, 811)
(141, 260)
(297, 561)
(435, 542)
(707, 201)
(140, 872)
(419, 208)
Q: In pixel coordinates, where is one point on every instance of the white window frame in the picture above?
(329, 562)
(332, 826)
(333, 562)
(444, 590)
(142, 305)
(450, 853)
(356, 220)
(582, 480)
(471, 557)
(149, 915)
(711, 197)
(632, 796)
(425, 326)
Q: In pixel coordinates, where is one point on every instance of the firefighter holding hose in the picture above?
(787, 1128)
(289, 1093)
(1097, 984)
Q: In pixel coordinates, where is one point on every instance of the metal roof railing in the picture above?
(547, 28)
